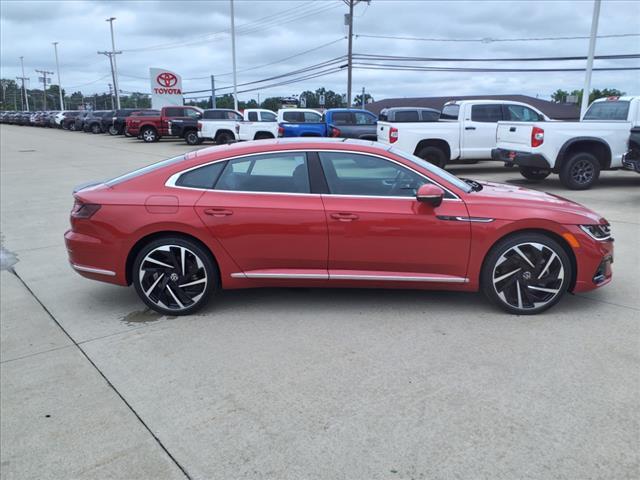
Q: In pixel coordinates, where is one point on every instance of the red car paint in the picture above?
(327, 240)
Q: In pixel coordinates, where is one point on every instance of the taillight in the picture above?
(280, 131)
(334, 132)
(199, 126)
(537, 137)
(84, 210)
(393, 135)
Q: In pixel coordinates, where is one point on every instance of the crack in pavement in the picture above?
(111, 385)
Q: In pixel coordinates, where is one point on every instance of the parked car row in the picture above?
(511, 132)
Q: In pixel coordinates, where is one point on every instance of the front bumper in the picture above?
(593, 261)
(521, 159)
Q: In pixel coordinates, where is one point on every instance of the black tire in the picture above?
(149, 135)
(580, 171)
(72, 127)
(262, 136)
(535, 174)
(516, 286)
(191, 137)
(223, 138)
(433, 155)
(95, 128)
(65, 126)
(113, 131)
(159, 288)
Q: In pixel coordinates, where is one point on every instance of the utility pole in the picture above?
(114, 66)
(4, 95)
(233, 54)
(349, 22)
(24, 90)
(44, 86)
(213, 92)
(55, 47)
(111, 56)
(592, 49)
(111, 96)
(362, 99)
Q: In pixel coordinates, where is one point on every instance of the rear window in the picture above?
(450, 112)
(615, 110)
(144, 170)
(301, 117)
(203, 177)
(407, 116)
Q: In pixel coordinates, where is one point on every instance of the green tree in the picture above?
(357, 100)
(559, 96)
(596, 93)
(272, 103)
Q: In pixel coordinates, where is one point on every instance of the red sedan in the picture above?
(325, 213)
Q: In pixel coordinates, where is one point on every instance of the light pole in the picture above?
(592, 48)
(55, 48)
(24, 90)
(115, 66)
(233, 54)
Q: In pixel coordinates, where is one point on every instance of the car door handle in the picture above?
(469, 128)
(512, 129)
(218, 212)
(344, 217)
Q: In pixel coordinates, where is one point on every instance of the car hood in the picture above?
(511, 202)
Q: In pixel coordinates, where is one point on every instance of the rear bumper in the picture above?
(521, 159)
(93, 258)
(631, 162)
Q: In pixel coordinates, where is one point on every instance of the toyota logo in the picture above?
(167, 79)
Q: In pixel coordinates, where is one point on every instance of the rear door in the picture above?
(479, 130)
(264, 214)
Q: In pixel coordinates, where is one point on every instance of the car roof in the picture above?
(304, 143)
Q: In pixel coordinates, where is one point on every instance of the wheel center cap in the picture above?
(526, 275)
(174, 277)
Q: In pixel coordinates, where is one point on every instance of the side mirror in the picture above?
(431, 194)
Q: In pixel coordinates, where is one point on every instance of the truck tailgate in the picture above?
(383, 131)
(514, 135)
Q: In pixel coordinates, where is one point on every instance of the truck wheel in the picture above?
(95, 128)
(113, 130)
(223, 138)
(433, 155)
(262, 136)
(580, 172)
(535, 174)
(191, 137)
(149, 134)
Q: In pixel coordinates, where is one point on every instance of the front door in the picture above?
(262, 212)
(378, 230)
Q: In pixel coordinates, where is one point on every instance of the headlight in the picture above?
(598, 232)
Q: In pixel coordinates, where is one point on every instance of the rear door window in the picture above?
(253, 116)
(486, 113)
(450, 112)
(342, 118)
(203, 177)
(430, 115)
(364, 118)
(268, 117)
(174, 112)
(283, 172)
(520, 113)
(407, 116)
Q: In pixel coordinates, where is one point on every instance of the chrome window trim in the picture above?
(171, 181)
(99, 271)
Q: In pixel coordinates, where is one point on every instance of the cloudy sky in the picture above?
(275, 38)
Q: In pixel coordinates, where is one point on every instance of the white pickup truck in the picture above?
(577, 151)
(466, 130)
(225, 125)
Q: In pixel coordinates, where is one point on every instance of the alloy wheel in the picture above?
(149, 135)
(528, 276)
(582, 172)
(173, 277)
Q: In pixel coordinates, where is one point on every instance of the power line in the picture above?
(365, 56)
(417, 68)
(491, 40)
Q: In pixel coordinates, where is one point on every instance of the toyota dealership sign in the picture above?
(166, 88)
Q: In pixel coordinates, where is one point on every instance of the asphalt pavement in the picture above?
(300, 384)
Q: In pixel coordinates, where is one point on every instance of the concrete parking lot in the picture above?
(301, 384)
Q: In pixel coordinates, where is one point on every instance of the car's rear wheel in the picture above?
(174, 276)
(526, 273)
(534, 174)
(262, 136)
(149, 134)
(191, 137)
(72, 127)
(433, 155)
(580, 172)
(113, 130)
(95, 128)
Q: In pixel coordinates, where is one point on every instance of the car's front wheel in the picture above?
(113, 130)
(191, 137)
(535, 174)
(526, 273)
(174, 276)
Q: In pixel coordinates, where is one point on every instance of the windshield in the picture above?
(144, 170)
(452, 179)
(609, 110)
